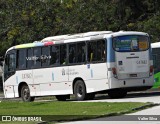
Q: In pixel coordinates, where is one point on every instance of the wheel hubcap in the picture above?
(26, 94)
(80, 91)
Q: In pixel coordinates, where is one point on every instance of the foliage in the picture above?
(28, 21)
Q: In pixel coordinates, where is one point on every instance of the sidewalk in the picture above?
(150, 111)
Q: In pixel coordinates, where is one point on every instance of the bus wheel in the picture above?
(62, 97)
(117, 93)
(80, 90)
(25, 94)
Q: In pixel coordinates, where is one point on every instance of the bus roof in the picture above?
(120, 33)
(155, 45)
(75, 38)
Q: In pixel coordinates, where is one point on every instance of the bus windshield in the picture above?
(130, 43)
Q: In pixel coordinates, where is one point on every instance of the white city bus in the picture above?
(81, 64)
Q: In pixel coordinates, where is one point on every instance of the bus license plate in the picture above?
(133, 75)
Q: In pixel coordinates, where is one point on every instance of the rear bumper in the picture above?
(132, 84)
(140, 88)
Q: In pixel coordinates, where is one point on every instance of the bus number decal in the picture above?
(27, 76)
(141, 62)
(69, 72)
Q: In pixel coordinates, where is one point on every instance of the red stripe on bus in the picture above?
(48, 43)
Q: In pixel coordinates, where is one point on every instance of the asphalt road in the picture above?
(145, 96)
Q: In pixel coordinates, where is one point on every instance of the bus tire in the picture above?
(80, 90)
(62, 97)
(25, 94)
(117, 93)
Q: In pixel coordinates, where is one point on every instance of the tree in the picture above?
(28, 21)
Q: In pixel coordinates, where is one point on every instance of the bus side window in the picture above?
(45, 57)
(11, 63)
(29, 58)
(72, 53)
(101, 54)
(21, 59)
(77, 52)
(63, 54)
(96, 51)
(81, 52)
(54, 53)
(37, 57)
(92, 48)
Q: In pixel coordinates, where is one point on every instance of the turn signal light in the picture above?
(114, 71)
(151, 70)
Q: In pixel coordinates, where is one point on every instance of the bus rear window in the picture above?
(130, 43)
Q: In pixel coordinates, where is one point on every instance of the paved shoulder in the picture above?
(150, 111)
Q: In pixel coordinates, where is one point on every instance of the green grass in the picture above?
(61, 111)
(64, 108)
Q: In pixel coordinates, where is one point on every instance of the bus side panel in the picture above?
(9, 91)
(94, 76)
(9, 84)
(16, 94)
(60, 82)
(24, 76)
(35, 90)
(53, 81)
